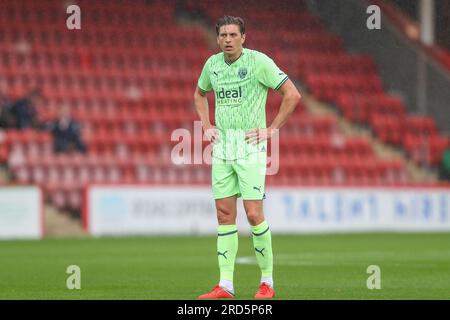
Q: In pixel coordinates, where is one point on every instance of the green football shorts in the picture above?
(242, 177)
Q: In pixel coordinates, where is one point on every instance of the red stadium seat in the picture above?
(117, 86)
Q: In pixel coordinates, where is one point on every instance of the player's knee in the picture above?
(254, 217)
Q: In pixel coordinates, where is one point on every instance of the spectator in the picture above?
(66, 132)
(6, 120)
(445, 164)
(24, 110)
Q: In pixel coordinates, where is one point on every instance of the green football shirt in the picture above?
(240, 98)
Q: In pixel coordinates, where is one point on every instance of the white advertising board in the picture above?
(21, 212)
(146, 210)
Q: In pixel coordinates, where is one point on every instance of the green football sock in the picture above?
(262, 241)
(227, 246)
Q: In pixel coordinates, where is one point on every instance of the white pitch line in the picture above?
(246, 260)
(296, 260)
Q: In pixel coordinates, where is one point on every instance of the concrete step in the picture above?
(60, 224)
(4, 175)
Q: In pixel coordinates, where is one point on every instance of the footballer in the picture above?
(240, 78)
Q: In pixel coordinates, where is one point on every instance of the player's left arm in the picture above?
(290, 99)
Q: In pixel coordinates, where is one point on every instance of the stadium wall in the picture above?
(154, 210)
(397, 58)
(21, 212)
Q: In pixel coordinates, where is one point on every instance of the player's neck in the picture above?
(232, 58)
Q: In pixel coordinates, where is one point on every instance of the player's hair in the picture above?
(226, 20)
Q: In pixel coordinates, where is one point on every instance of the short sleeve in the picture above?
(269, 74)
(204, 82)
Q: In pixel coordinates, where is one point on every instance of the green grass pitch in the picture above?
(413, 266)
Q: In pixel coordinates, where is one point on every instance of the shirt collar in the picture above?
(228, 63)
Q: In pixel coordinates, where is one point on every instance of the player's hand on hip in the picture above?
(211, 133)
(257, 135)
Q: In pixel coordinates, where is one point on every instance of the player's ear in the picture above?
(243, 38)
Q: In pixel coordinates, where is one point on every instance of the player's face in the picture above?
(230, 40)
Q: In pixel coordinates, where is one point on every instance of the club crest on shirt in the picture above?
(242, 73)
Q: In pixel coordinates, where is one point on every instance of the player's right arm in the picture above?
(201, 104)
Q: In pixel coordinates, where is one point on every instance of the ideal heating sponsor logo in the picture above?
(231, 97)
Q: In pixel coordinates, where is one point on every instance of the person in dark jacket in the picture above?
(6, 120)
(66, 132)
(24, 111)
